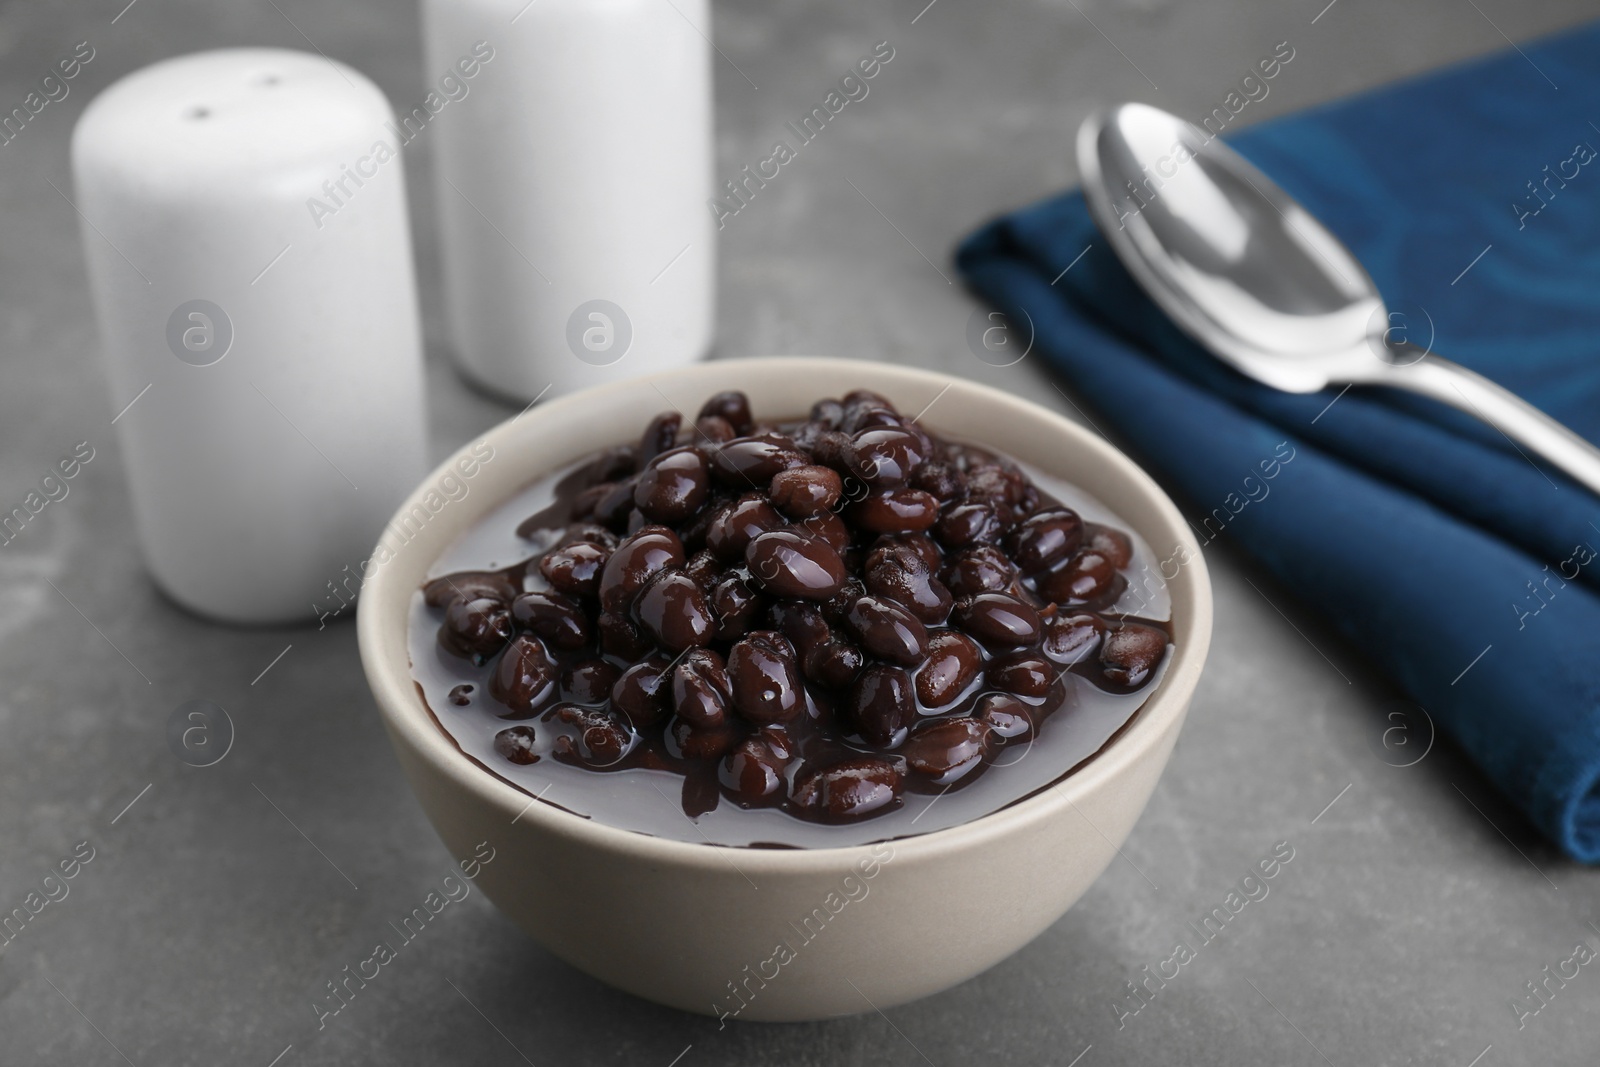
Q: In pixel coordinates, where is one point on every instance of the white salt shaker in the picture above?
(571, 144)
(250, 262)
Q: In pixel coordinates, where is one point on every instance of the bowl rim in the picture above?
(407, 716)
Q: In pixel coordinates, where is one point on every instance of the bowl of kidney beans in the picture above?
(815, 615)
(818, 621)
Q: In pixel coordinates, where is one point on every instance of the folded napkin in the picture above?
(1467, 572)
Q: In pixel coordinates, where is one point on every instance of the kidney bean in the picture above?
(997, 620)
(1070, 639)
(575, 569)
(828, 412)
(673, 609)
(894, 511)
(881, 706)
(1130, 653)
(852, 789)
(788, 564)
(765, 678)
(1113, 544)
(994, 484)
(1004, 714)
(1086, 580)
(636, 560)
(888, 631)
(735, 605)
(804, 491)
(940, 479)
(704, 568)
(826, 527)
(1023, 673)
(713, 430)
(752, 774)
(953, 664)
(731, 405)
(1045, 539)
(673, 486)
(642, 693)
(475, 629)
(588, 681)
(702, 742)
(612, 509)
(961, 525)
(736, 523)
(524, 679)
(750, 462)
(468, 585)
(979, 569)
(947, 750)
(700, 689)
(883, 456)
(621, 637)
(516, 743)
(554, 617)
(833, 663)
(660, 435)
(602, 740)
(802, 622)
(895, 570)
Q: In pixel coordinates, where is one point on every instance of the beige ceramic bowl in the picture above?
(786, 934)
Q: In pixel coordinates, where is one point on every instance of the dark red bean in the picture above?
(828, 447)
(789, 564)
(1023, 673)
(554, 617)
(884, 456)
(939, 478)
(588, 681)
(737, 607)
(673, 486)
(613, 508)
(700, 689)
(947, 750)
(602, 739)
(1087, 579)
(1004, 714)
(713, 430)
(752, 774)
(1114, 545)
(834, 663)
(953, 664)
(1045, 539)
(765, 678)
(643, 692)
(827, 527)
(1005, 489)
(750, 462)
(524, 679)
(731, 405)
(660, 435)
(881, 705)
(575, 569)
(897, 571)
(735, 524)
(1130, 653)
(1070, 639)
(636, 560)
(621, 637)
(702, 743)
(997, 620)
(803, 491)
(704, 568)
(888, 631)
(468, 585)
(516, 743)
(614, 464)
(893, 511)
(980, 569)
(802, 622)
(962, 525)
(853, 789)
(475, 629)
(828, 412)
(673, 610)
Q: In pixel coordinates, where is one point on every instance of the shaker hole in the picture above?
(198, 113)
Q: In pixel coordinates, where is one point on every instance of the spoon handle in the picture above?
(1524, 425)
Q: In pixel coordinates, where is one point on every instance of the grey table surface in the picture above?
(1417, 906)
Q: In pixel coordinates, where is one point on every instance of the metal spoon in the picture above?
(1250, 274)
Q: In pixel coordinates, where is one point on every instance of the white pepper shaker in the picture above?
(573, 172)
(250, 263)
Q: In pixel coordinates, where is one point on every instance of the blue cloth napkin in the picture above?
(1465, 571)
